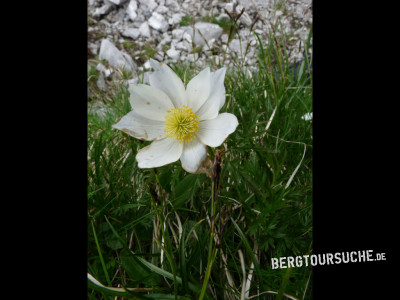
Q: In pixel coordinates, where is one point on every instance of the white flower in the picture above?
(307, 116)
(179, 121)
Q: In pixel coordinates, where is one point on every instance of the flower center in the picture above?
(181, 124)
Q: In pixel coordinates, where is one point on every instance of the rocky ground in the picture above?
(124, 34)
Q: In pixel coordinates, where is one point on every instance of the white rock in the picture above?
(101, 84)
(108, 72)
(299, 12)
(165, 40)
(105, 9)
(224, 38)
(234, 46)
(115, 57)
(132, 33)
(94, 48)
(175, 19)
(172, 4)
(244, 33)
(139, 19)
(117, 2)
(174, 54)
(223, 16)
(177, 34)
(131, 10)
(158, 57)
(187, 37)
(145, 78)
(245, 19)
(209, 45)
(158, 22)
(144, 30)
(147, 65)
(239, 8)
(191, 57)
(208, 30)
(156, 35)
(105, 23)
(185, 46)
(100, 67)
(101, 112)
(161, 9)
(148, 6)
(248, 4)
(131, 81)
(229, 7)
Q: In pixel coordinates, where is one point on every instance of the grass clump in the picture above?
(148, 229)
(186, 20)
(225, 23)
(149, 50)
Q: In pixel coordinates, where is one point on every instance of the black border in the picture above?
(48, 154)
(354, 188)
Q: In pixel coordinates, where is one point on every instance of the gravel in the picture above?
(162, 29)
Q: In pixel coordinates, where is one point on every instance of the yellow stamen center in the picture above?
(181, 124)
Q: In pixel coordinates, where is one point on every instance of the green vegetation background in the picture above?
(264, 205)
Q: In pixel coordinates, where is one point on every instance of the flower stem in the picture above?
(212, 252)
(156, 202)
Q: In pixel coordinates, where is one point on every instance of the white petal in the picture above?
(166, 80)
(194, 154)
(218, 86)
(209, 110)
(140, 127)
(214, 132)
(150, 102)
(198, 89)
(159, 153)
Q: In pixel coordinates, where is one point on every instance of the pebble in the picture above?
(208, 30)
(160, 24)
(144, 30)
(177, 34)
(106, 8)
(101, 84)
(115, 57)
(132, 33)
(229, 7)
(131, 10)
(175, 19)
(117, 2)
(174, 54)
(94, 48)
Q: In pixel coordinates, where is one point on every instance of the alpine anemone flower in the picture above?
(180, 121)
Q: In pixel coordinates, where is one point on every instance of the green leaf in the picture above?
(179, 201)
(137, 272)
(152, 267)
(185, 184)
(166, 297)
(284, 283)
(247, 245)
(182, 260)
